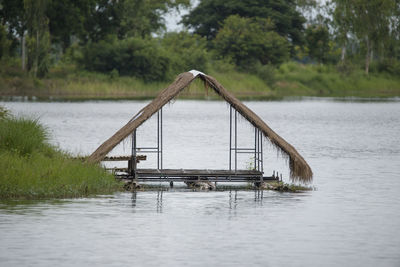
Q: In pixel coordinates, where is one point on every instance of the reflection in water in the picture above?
(352, 220)
(159, 201)
(232, 200)
(258, 196)
(134, 195)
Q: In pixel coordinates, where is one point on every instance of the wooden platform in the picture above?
(184, 175)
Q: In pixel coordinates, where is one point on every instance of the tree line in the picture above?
(129, 37)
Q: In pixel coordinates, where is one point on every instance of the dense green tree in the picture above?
(38, 40)
(91, 19)
(128, 18)
(317, 39)
(12, 13)
(12, 17)
(207, 18)
(5, 43)
(371, 21)
(134, 56)
(68, 18)
(55, 22)
(247, 41)
(147, 58)
(141, 18)
(104, 19)
(186, 51)
(341, 24)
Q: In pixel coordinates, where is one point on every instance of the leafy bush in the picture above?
(390, 66)
(317, 38)
(346, 68)
(142, 58)
(21, 135)
(149, 59)
(5, 44)
(289, 67)
(266, 73)
(247, 41)
(71, 55)
(3, 113)
(186, 52)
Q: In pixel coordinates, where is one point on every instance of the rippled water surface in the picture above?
(351, 219)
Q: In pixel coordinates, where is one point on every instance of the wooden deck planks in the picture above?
(184, 175)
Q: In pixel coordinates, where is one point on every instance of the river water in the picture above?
(352, 218)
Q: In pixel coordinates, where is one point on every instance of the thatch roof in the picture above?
(299, 169)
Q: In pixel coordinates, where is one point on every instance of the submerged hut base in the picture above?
(132, 185)
(281, 187)
(201, 185)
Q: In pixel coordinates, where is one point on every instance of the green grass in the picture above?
(290, 79)
(3, 112)
(33, 169)
(67, 82)
(22, 136)
(293, 79)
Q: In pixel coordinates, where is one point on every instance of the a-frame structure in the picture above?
(299, 169)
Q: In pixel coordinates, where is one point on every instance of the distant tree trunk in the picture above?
(37, 39)
(372, 54)
(368, 56)
(382, 53)
(23, 54)
(343, 53)
(36, 60)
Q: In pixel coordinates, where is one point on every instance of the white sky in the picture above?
(173, 18)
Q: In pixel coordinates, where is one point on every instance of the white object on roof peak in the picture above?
(196, 72)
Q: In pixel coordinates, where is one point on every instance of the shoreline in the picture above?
(291, 80)
(20, 98)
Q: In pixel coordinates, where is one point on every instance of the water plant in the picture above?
(31, 168)
(285, 187)
(3, 112)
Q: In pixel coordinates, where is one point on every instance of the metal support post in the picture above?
(235, 141)
(258, 151)
(262, 159)
(158, 140)
(133, 162)
(161, 139)
(255, 147)
(230, 138)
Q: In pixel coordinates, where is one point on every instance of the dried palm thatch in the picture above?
(299, 169)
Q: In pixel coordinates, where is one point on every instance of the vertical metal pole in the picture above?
(262, 159)
(235, 140)
(132, 163)
(161, 140)
(230, 138)
(134, 143)
(256, 166)
(258, 143)
(255, 146)
(158, 139)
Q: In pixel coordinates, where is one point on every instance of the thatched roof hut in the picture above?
(299, 169)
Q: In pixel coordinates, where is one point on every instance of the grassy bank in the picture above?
(33, 169)
(290, 79)
(293, 79)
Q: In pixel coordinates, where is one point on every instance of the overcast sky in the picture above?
(173, 18)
